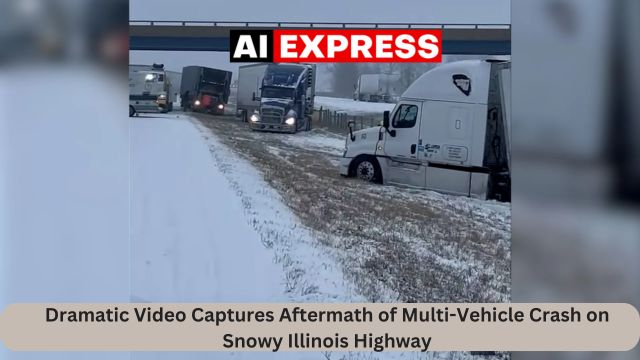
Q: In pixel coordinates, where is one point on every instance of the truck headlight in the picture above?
(255, 118)
(197, 103)
(290, 121)
(221, 107)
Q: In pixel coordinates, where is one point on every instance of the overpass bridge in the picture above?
(458, 39)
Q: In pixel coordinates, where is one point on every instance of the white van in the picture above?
(449, 132)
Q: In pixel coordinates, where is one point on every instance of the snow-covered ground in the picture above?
(175, 215)
(204, 221)
(209, 227)
(190, 242)
(64, 195)
(320, 140)
(196, 237)
(383, 235)
(351, 106)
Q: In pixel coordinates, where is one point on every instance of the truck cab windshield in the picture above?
(154, 77)
(277, 92)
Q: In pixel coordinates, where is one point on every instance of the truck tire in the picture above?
(307, 124)
(367, 168)
(132, 111)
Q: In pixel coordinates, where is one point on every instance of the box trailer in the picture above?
(376, 87)
(249, 84)
(205, 89)
(176, 79)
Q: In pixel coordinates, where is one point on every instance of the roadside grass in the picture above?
(393, 244)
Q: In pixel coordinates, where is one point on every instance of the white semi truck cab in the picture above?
(449, 133)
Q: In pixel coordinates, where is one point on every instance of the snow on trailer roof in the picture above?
(464, 81)
(280, 86)
(274, 72)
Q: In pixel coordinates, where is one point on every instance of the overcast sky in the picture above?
(405, 11)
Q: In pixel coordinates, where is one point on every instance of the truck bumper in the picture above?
(344, 166)
(145, 106)
(211, 110)
(258, 126)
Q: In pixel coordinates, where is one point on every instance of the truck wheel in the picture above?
(132, 111)
(368, 169)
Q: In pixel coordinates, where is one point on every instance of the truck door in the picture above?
(404, 167)
(404, 120)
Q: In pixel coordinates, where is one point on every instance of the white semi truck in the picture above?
(449, 132)
(150, 89)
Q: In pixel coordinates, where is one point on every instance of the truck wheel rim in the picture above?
(366, 171)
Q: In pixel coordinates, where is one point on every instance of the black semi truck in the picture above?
(205, 89)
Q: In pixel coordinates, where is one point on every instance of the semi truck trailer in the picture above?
(176, 80)
(284, 100)
(376, 87)
(449, 132)
(249, 84)
(204, 89)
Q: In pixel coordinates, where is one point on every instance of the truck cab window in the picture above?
(405, 117)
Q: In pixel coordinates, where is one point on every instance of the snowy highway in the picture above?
(223, 214)
(193, 239)
(206, 227)
(190, 240)
(197, 208)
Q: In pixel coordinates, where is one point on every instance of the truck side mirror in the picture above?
(254, 96)
(386, 123)
(385, 120)
(351, 124)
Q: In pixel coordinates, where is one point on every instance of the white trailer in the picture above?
(248, 90)
(449, 132)
(175, 77)
(376, 87)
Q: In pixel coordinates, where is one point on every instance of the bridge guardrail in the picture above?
(337, 25)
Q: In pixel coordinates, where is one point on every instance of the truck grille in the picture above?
(272, 116)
